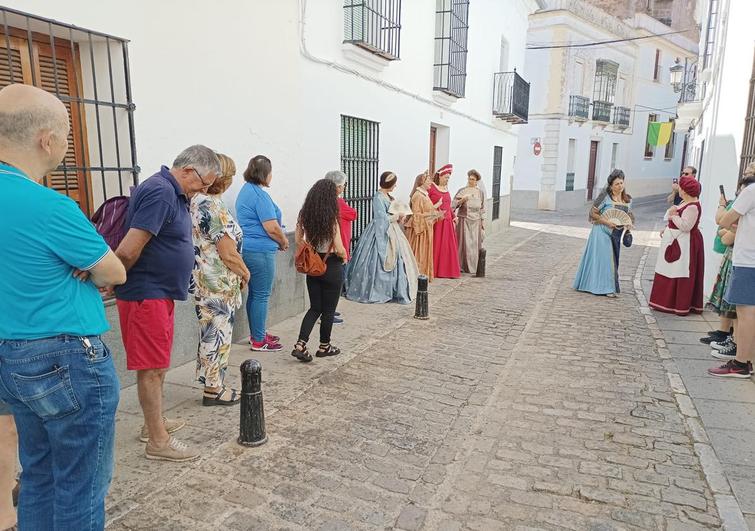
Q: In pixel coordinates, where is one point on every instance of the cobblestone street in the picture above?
(521, 404)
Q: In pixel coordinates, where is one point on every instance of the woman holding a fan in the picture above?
(612, 218)
(679, 271)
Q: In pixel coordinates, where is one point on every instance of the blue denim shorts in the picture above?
(4, 408)
(741, 286)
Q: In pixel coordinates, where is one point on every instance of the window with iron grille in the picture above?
(710, 33)
(604, 89)
(497, 167)
(451, 33)
(89, 72)
(360, 148)
(374, 25)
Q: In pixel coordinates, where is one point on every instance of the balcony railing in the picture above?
(601, 111)
(621, 116)
(374, 26)
(692, 92)
(511, 97)
(579, 107)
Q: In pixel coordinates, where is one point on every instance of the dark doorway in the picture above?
(433, 141)
(591, 168)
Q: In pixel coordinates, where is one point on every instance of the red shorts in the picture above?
(147, 332)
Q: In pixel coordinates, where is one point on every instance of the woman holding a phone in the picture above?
(721, 340)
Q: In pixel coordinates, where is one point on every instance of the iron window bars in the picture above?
(579, 107)
(374, 25)
(497, 166)
(621, 116)
(511, 97)
(360, 148)
(710, 33)
(604, 89)
(569, 185)
(89, 72)
(451, 34)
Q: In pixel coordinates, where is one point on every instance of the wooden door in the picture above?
(591, 169)
(433, 140)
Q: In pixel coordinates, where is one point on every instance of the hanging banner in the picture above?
(659, 133)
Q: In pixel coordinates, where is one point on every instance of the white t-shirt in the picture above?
(744, 243)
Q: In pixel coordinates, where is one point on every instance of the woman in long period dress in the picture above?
(678, 283)
(445, 247)
(598, 271)
(419, 226)
(383, 267)
(469, 203)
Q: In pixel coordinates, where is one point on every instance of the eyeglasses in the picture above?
(200, 178)
(686, 173)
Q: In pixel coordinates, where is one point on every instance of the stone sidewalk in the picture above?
(520, 404)
(724, 408)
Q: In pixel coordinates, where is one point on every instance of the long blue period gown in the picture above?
(382, 267)
(598, 271)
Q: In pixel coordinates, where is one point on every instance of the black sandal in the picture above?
(327, 350)
(302, 354)
(216, 399)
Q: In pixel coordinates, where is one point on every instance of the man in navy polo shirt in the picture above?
(158, 254)
(56, 374)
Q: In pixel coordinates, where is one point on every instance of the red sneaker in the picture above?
(266, 346)
(272, 338)
(731, 369)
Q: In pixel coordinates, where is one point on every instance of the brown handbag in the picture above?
(307, 261)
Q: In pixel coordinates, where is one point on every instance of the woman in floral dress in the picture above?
(219, 276)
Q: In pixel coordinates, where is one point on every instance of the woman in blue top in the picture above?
(598, 271)
(261, 222)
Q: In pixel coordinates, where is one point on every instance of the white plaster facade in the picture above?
(717, 114)
(557, 74)
(274, 77)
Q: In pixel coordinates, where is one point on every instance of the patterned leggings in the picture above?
(215, 337)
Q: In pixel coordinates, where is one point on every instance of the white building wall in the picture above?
(236, 76)
(719, 131)
(561, 72)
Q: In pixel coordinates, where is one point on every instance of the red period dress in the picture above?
(675, 291)
(445, 247)
(346, 215)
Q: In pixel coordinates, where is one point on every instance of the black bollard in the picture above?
(481, 263)
(423, 310)
(252, 424)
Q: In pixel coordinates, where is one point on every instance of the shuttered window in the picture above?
(89, 72)
(35, 65)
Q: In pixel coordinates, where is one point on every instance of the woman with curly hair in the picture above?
(318, 225)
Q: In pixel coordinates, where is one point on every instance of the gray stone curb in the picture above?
(727, 505)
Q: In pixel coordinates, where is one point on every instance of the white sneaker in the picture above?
(722, 345)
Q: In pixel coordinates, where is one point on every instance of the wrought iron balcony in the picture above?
(621, 116)
(374, 26)
(579, 107)
(601, 111)
(511, 97)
